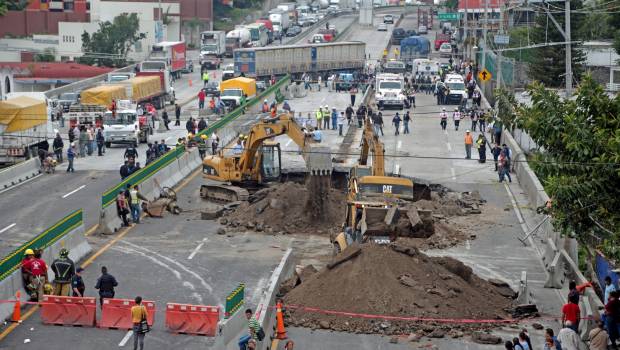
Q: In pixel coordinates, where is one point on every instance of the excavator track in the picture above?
(224, 193)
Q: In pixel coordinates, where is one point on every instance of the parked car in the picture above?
(293, 31)
(212, 88)
(422, 29)
(382, 27)
(445, 50)
(388, 19)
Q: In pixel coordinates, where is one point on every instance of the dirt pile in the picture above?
(283, 209)
(394, 281)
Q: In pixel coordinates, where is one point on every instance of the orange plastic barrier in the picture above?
(192, 319)
(71, 311)
(116, 313)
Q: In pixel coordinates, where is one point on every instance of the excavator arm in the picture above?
(370, 145)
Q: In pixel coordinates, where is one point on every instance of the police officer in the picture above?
(77, 283)
(63, 269)
(105, 284)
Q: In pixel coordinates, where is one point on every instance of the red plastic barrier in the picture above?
(192, 319)
(116, 313)
(70, 311)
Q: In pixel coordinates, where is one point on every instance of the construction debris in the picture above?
(395, 281)
(351, 252)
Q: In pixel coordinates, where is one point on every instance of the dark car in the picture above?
(398, 34)
(293, 31)
(411, 32)
(212, 88)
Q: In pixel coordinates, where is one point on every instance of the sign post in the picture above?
(484, 75)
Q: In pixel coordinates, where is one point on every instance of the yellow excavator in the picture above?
(260, 160)
(374, 201)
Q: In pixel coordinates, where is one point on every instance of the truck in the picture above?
(425, 67)
(441, 38)
(66, 99)
(125, 126)
(235, 39)
(346, 56)
(161, 70)
(389, 91)
(212, 48)
(103, 95)
(414, 47)
(269, 27)
(24, 126)
(258, 34)
(280, 20)
(171, 52)
(234, 92)
(291, 9)
(328, 34)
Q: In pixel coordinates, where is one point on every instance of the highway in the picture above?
(182, 258)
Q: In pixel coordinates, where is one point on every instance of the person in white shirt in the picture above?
(444, 119)
(457, 118)
(568, 338)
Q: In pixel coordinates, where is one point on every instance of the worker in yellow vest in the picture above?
(319, 117)
(134, 202)
(205, 78)
(326, 116)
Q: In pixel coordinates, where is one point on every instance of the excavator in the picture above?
(374, 201)
(260, 160)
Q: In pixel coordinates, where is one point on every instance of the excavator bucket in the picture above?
(318, 159)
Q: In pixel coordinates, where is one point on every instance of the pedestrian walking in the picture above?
(177, 115)
(551, 342)
(202, 146)
(135, 197)
(396, 121)
(469, 142)
(473, 115)
(319, 81)
(353, 93)
(482, 122)
(189, 125)
(122, 207)
(57, 146)
(341, 120)
(34, 274)
(71, 157)
(201, 99)
(481, 145)
(508, 153)
(100, 142)
(166, 119)
(598, 337)
(380, 123)
(349, 113)
(609, 287)
(105, 285)
(443, 117)
(139, 316)
(495, 151)
(406, 120)
(568, 337)
(63, 269)
(503, 164)
(456, 116)
(77, 283)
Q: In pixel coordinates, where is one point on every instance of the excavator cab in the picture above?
(271, 161)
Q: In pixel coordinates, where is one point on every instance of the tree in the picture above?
(48, 55)
(451, 4)
(110, 45)
(547, 62)
(579, 164)
(13, 5)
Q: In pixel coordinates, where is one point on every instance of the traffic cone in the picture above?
(190, 83)
(280, 331)
(17, 312)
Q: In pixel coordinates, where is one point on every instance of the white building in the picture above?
(602, 61)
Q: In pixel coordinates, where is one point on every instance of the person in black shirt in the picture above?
(105, 284)
(63, 269)
(77, 283)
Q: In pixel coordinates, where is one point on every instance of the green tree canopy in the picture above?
(579, 161)
(110, 44)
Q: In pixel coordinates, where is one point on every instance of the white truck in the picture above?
(258, 34)
(456, 87)
(280, 20)
(124, 127)
(236, 39)
(389, 91)
(212, 48)
(425, 67)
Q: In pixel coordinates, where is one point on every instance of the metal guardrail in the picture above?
(12, 262)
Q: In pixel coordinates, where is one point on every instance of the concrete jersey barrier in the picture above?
(18, 173)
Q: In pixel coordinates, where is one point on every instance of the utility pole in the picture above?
(484, 41)
(465, 36)
(500, 53)
(569, 59)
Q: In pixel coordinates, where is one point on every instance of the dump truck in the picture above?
(263, 62)
(103, 95)
(234, 92)
(24, 125)
(161, 70)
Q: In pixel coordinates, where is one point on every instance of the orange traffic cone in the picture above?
(190, 83)
(280, 331)
(17, 308)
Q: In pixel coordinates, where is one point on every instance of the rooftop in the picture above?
(56, 71)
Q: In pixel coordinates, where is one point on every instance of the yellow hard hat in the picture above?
(204, 137)
(190, 135)
(29, 252)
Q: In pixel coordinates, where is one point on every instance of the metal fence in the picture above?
(12, 262)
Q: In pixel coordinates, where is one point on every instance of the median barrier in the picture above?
(20, 172)
(192, 319)
(550, 252)
(524, 297)
(69, 311)
(66, 233)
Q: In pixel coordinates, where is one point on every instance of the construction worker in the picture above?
(469, 142)
(319, 117)
(457, 118)
(444, 119)
(202, 146)
(205, 78)
(34, 271)
(63, 269)
(326, 117)
(265, 108)
(134, 202)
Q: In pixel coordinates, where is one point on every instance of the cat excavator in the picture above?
(260, 160)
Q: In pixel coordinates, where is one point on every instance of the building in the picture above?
(43, 76)
(602, 61)
(7, 79)
(475, 12)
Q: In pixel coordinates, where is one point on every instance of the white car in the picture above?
(388, 19)
(382, 27)
(445, 50)
(422, 29)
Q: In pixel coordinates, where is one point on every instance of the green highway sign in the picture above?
(448, 16)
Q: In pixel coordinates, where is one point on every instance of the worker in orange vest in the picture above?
(469, 141)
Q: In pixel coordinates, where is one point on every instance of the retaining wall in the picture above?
(18, 173)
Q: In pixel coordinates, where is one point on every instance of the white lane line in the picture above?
(125, 339)
(445, 132)
(399, 144)
(197, 249)
(453, 173)
(72, 192)
(288, 143)
(449, 147)
(168, 138)
(7, 228)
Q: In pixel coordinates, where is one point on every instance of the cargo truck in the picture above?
(24, 125)
(414, 47)
(260, 63)
(171, 52)
(159, 69)
(280, 20)
(389, 91)
(441, 38)
(258, 34)
(213, 43)
(234, 92)
(235, 39)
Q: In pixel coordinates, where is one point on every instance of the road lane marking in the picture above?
(197, 249)
(453, 173)
(288, 143)
(7, 228)
(399, 144)
(449, 147)
(125, 339)
(91, 230)
(72, 192)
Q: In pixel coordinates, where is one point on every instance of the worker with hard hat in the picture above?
(265, 108)
(202, 146)
(63, 269)
(319, 118)
(34, 272)
(326, 117)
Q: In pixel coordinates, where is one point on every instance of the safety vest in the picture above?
(202, 145)
(134, 197)
(205, 76)
(319, 114)
(325, 113)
